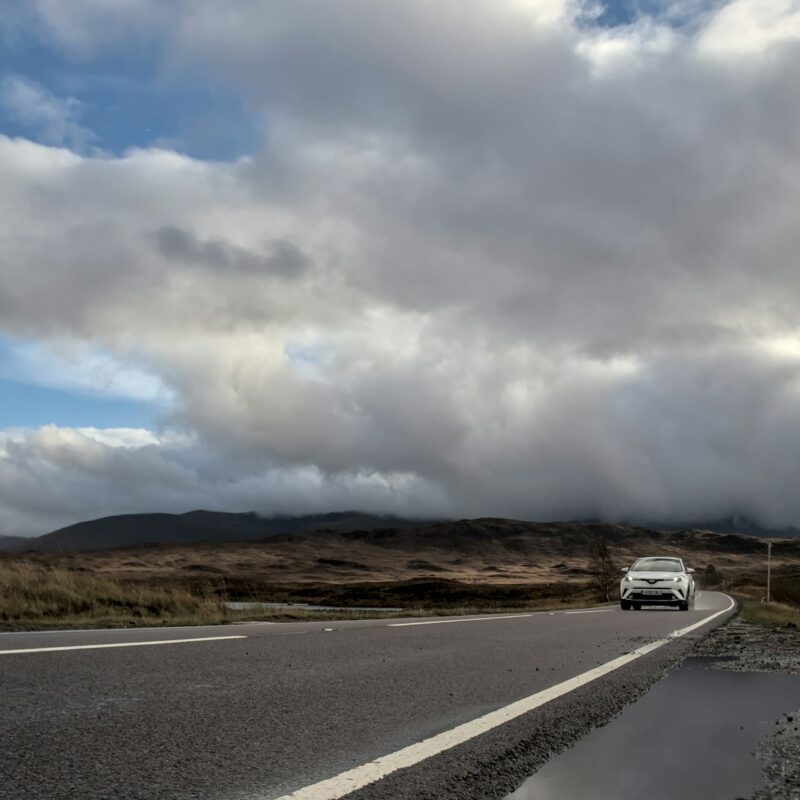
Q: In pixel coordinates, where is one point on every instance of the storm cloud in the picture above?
(491, 258)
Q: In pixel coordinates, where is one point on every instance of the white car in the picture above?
(657, 581)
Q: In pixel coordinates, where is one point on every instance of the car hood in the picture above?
(643, 576)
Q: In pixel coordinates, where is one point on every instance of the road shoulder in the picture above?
(500, 760)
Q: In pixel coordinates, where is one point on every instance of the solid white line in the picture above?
(463, 619)
(346, 782)
(118, 644)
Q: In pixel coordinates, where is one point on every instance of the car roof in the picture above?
(660, 558)
(657, 558)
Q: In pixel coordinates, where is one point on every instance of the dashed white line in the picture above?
(495, 616)
(117, 644)
(347, 782)
(589, 611)
(51, 631)
(463, 619)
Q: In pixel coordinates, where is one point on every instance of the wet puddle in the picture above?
(694, 735)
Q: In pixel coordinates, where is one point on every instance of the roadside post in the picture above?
(769, 569)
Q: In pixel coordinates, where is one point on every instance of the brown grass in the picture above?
(38, 597)
(783, 610)
(771, 614)
(31, 596)
(482, 557)
(190, 584)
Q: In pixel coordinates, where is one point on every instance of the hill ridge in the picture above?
(196, 526)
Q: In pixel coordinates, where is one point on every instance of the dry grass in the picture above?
(183, 585)
(772, 614)
(467, 554)
(31, 596)
(782, 611)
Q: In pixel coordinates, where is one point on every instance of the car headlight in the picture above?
(678, 580)
(628, 578)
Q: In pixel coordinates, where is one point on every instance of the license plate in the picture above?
(651, 591)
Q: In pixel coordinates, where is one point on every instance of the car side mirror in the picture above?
(624, 569)
(690, 570)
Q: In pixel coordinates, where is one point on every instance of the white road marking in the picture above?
(346, 782)
(118, 644)
(589, 611)
(467, 619)
(129, 630)
(494, 616)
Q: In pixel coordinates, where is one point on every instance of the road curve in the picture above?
(267, 711)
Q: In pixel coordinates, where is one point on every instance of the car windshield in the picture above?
(657, 565)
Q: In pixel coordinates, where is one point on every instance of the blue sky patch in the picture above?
(125, 103)
(79, 386)
(24, 405)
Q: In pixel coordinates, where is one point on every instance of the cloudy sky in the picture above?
(531, 258)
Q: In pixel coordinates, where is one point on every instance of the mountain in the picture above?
(135, 530)
(9, 544)
(745, 527)
(132, 530)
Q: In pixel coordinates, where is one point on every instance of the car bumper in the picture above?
(665, 596)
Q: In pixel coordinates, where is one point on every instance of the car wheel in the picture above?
(625, 605)
(683, 606)
(637, 606)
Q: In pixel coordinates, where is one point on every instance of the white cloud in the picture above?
(751, 28)
(54, 120)
(54, 476)
(478, 267)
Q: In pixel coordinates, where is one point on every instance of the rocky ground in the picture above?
(753, 648)
(780, 756)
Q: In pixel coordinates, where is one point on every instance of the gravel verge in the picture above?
(779, 755)
(745, 647)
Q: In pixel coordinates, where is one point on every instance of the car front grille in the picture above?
(660, 596)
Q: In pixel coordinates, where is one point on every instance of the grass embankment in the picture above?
(782, 611)
(772, 614)
(35, 597)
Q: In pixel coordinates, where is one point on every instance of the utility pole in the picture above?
(769, 569)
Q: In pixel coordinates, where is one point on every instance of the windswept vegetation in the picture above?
(773, 614)
(431, 594)
(478, 566)
(33, 596)
(782, 611)
(39, 597)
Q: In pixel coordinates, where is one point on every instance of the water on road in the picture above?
(693, 735)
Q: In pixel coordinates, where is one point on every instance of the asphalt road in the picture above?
(290, 705)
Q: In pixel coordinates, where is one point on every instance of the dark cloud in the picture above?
(490, 259)
(283, 258)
